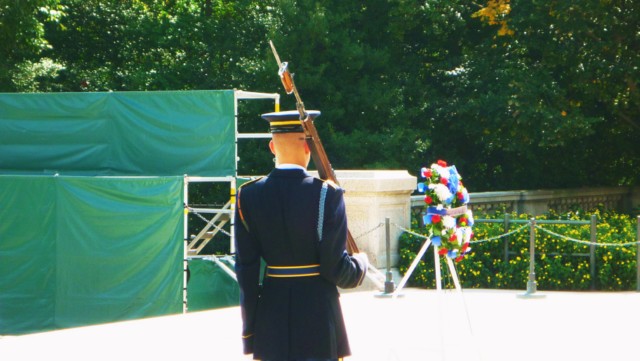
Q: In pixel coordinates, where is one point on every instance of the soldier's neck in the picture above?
(290, 166)
(299, 161)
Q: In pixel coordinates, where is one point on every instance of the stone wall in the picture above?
(370, 198)
(536, 202)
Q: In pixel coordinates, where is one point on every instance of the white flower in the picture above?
(464, 235)
(448, 222)
(442, 171)
(460, 234)
(442, 192)
(467, 234)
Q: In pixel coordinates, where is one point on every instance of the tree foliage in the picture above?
(22, 43)
(540, 94)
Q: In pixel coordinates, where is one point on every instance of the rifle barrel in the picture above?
(275, 54)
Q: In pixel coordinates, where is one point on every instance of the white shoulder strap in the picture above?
(323, 197)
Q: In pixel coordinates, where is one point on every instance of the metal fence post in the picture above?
(592, 250)
(531, 284)
(507, 220)
(389, 286)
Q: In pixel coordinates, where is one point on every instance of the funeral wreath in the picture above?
(447, 219)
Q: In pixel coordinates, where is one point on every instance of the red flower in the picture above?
(460, 196)
(428, 173)
(442, 163)
(453, 238)
(444, 181)
(462, 221)
(464, 247)
(436, 218)
(443, 251)
(428, 200)
(459, 258)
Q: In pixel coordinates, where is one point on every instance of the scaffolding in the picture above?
(223, 216)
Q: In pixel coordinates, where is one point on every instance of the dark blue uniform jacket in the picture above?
(277, 220)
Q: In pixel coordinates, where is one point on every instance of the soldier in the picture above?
(297, 224)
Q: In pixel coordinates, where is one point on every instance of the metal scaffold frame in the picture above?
(221, 216)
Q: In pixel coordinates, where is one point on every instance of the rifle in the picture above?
(318, 154)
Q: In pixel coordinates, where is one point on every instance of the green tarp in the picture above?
(210, 287)
(91, 204)
(84, 250)
(119, 133)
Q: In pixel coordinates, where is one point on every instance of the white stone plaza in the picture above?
(476, 324)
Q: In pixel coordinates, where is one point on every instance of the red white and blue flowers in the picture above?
(447, 218)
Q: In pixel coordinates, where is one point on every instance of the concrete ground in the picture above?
(420, 325)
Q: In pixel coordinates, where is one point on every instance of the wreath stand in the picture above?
(436, 256)
(438, 273)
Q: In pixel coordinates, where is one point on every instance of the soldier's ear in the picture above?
(272, 147)
(307, 150)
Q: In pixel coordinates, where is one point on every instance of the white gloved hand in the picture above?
(363, 259)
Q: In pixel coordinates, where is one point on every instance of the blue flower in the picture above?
(454, 179)
(426, 219)
(421, 187)
(450, 199)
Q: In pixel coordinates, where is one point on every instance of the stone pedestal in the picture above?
(371, 196)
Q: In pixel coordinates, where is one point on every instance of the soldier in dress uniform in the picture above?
(297, 224)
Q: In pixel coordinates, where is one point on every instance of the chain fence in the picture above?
(507, 234)
(588, 243)
(475, 241)
(531, 224)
